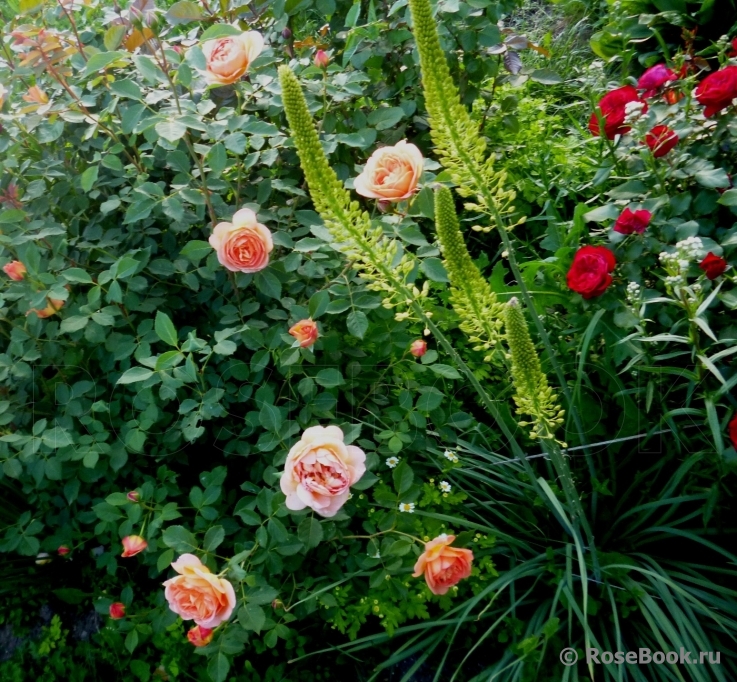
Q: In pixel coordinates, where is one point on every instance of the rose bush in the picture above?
(161, 186)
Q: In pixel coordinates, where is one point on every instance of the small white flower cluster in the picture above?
(677, 263)
(450, 456)
(633, 112)
(633, 293)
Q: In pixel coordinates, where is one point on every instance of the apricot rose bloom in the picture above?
(53, 306)
(443, 565)
(228, 58)
(305, 331)
(15, 270)
(418, 348)
(199, 636)
(391, 173)
(320, 469)
(243, 245)
(199, 595)
(132, 545)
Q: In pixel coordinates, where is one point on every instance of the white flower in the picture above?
(450, 456)
(633, 111)
(445, 486)
(391, 462)
(408, 507)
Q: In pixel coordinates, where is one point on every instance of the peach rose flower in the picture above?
(196, 594)
(229, 58)
(243, 245)
(199, 636)
(132, 545)
(15, 270)
(391, 173)
(443, 566)
(320, 469)
(54, 306)
(305, 331)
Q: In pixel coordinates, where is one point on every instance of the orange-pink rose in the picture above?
(305, 331)
(199, 595)
(243, 245)
(199, 636)
(320, 469)
(15, 270)
(132, 545)
(391, 173)
(442, 565)
(229, 58)
(54, 305)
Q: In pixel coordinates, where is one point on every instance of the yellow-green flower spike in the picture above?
(382, 264)
(533, 395)
(480, 313)
(458, 144)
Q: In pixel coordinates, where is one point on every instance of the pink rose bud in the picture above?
(132, 545)
(418, 348)
(277, 604)
(383, 205)
(305, 331)
(63, 550)
(117, 610)
(321, 59)
(199, 636)
(134, 496)
(15, 270)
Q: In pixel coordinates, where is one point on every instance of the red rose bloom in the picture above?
(612, 109)
(733, 431)
(713, 266)
(717, 90)
(589, 273)
(655, 78)
(733, 51)
(661, 139)
(632, 221)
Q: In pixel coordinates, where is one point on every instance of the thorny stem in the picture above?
(74, 28)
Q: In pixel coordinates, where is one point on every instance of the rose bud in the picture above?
(132, 545)
(321, 59)
(199, 636)
(63, 550)
(277, 604)
(418, 348)
(383, 205)
(713, 266)
(15, 270)
(305, 331)
(54, 305)
(133, 496)
(286, 33)
(117, 610)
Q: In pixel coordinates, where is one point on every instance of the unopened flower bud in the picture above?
(418, 348)
(383, 205)
(277, 604)
(321, 59)
(63, 550)
(286, 33)
(117, 610)
(134, 496)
